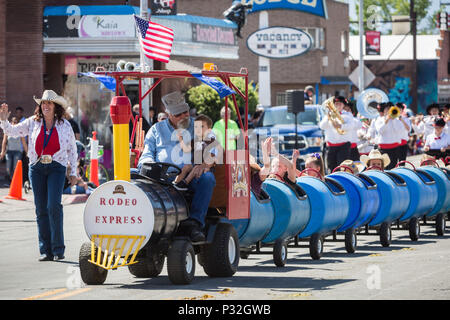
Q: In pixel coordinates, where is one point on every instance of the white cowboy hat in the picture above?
(50, 95)
(376, 154)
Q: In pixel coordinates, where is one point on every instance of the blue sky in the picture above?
(354, 15)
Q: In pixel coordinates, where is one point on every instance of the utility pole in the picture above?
(145, 85)
(361, 47)
(412, 15)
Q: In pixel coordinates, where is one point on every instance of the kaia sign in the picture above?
(279, 42)
(316, 7)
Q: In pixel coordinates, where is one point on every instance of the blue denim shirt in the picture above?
(161, 144)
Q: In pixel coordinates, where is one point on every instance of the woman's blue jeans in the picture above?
(47, 182)
(11, 160)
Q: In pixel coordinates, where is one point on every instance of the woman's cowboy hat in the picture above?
(50, 95)
(376, 154)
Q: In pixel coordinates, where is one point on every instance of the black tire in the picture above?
(280, 253)
(148, 266)
(221, 257)
(440, 224)
(385, 234)
(181, 262)
(316, 246)
(350, 240)
(90, 273)
(414, 229)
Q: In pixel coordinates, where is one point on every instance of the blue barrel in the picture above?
(364, 200)
(329, 205)
(291, 207)
(442, 178)
(252, 230)
(394, 196)
(423, 192)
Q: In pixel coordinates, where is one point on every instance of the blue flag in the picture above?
(222, 89)
(108, 82)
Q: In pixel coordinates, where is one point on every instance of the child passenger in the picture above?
(258, 174)
(203, 137)
(315, 162)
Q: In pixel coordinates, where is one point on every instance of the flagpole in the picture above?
(146, 82)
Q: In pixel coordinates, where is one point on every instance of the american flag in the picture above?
(155, 39)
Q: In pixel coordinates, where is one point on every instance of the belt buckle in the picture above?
(46, 159)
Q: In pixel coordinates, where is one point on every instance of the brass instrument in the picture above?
(333, 114)
(394, 112)
(368, 100)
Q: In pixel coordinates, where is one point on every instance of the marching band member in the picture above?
(364, 143)
(338, 144)
(438, 142)
(353, 133)
(402, 150)
(424, 126)
(388, 130)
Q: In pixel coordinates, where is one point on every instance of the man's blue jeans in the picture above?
(203, 188)
(47, 182)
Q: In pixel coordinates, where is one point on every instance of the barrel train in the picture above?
(152, 209)
(135, 220)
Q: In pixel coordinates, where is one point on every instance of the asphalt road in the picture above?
(405, 270)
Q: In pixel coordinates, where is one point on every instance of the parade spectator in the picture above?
(51, 149)
(162, 116)
(160, 143)
(12, 148)
(233, 130)
(308, 95)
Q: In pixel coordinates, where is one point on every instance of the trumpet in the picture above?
(394, 112)
(333, 114)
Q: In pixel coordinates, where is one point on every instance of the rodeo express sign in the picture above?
(279, 42)
(316, 7)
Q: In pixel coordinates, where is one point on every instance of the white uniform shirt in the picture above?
(388, 133)
(437, 143)
(331, 135)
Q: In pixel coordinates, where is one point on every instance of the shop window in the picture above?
(317, 35)
(280, 98)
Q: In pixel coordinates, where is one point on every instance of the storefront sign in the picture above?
(213, 34)
(279, 42)
(163, 7)
(373, 43)
(110, 26)
(316, 7)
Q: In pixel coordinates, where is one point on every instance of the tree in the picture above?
(207, 101)
(383, 10)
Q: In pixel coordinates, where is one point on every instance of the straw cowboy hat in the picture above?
(50, 95)
(376, 154)
(356, 166)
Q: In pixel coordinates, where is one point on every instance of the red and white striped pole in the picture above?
(93, 174)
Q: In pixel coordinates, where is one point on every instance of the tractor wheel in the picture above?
(90, 273)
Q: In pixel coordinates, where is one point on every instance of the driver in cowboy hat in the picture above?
(161, 145)
(376, 159)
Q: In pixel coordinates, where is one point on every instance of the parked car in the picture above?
(278, 123)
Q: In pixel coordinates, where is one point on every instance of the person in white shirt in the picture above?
(424, 126)
(353, 133)
(338, 145)
(402, 149)
(438, 143)
(388, 134)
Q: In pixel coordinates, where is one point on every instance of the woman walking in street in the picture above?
(51, 149)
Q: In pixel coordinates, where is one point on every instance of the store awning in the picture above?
(111, 30)
(335, 80)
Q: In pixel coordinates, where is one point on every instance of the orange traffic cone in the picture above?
(15, 190)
